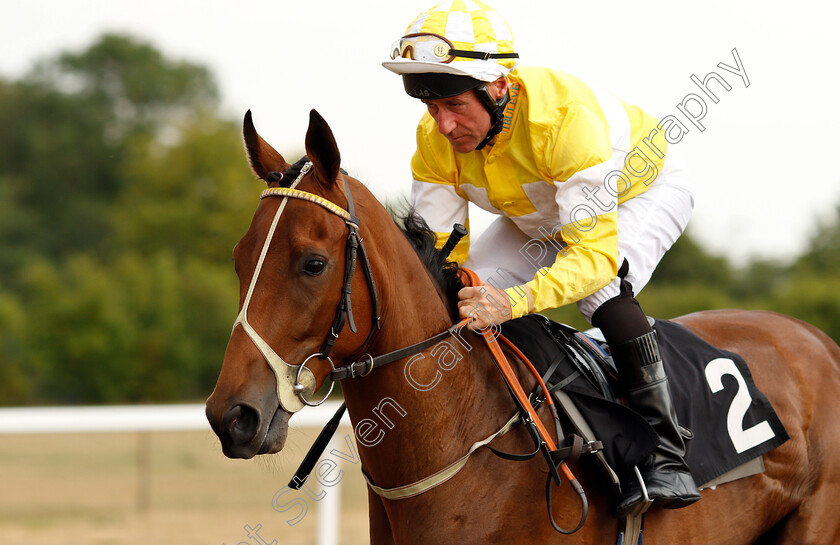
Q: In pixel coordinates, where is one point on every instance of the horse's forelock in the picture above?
(287, 177)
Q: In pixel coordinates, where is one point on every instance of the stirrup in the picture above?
(631, 525)
(642, 507)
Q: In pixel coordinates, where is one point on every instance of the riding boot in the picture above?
(665, 473)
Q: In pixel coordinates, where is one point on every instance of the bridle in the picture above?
(294, 382)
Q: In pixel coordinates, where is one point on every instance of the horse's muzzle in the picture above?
(244, 433)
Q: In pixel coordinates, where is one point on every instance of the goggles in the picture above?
(429, 47)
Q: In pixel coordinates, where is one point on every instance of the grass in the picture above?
(161, 488)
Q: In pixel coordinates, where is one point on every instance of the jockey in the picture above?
(589, 199)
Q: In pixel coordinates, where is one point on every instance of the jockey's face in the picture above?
(462, 119)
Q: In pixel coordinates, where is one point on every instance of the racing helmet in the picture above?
(453, 47)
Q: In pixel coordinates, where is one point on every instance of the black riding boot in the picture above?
(667, 478)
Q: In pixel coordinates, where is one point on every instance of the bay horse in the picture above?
(292, 265)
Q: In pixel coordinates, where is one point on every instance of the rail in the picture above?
(159, 418)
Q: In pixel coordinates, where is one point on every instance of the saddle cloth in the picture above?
(726, 420)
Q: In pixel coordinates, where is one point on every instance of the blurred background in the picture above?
(123, 189)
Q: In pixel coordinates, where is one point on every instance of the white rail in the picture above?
(161, 418)
(132, 418)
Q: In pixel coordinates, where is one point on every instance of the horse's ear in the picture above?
(322, 149)
(262, 157)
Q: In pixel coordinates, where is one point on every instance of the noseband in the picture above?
(292, 381)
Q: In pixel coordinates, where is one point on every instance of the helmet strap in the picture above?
(496, 109)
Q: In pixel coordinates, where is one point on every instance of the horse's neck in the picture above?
(424, 410)
(416, 416)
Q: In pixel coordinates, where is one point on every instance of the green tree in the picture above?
(194, 197)
(69, 126)
(823, 253)
(141, 90)
(812, 289)
(122, 193)
(15, 377)
(759, 280)
(814, 299)
(689, 263)
(135, 329)
(57, 172)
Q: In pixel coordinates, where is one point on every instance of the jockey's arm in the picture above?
(578, 158)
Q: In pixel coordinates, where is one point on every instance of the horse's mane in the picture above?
(443, 272)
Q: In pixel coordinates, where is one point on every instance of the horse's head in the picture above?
(294, 294)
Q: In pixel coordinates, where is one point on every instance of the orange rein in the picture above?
(470, 278)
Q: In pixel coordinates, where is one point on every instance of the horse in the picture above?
(293, 270)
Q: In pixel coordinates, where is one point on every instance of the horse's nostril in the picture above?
(241, 423)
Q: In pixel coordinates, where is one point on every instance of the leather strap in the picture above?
(368, 363)
(355, 248)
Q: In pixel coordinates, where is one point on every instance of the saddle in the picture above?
(727, 423)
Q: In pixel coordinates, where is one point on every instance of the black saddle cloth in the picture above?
(730, 421)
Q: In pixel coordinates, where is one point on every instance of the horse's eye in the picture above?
(314, 267)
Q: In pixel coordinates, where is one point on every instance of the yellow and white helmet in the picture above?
(459, 37)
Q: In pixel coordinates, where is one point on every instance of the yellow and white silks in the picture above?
(571, 164)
